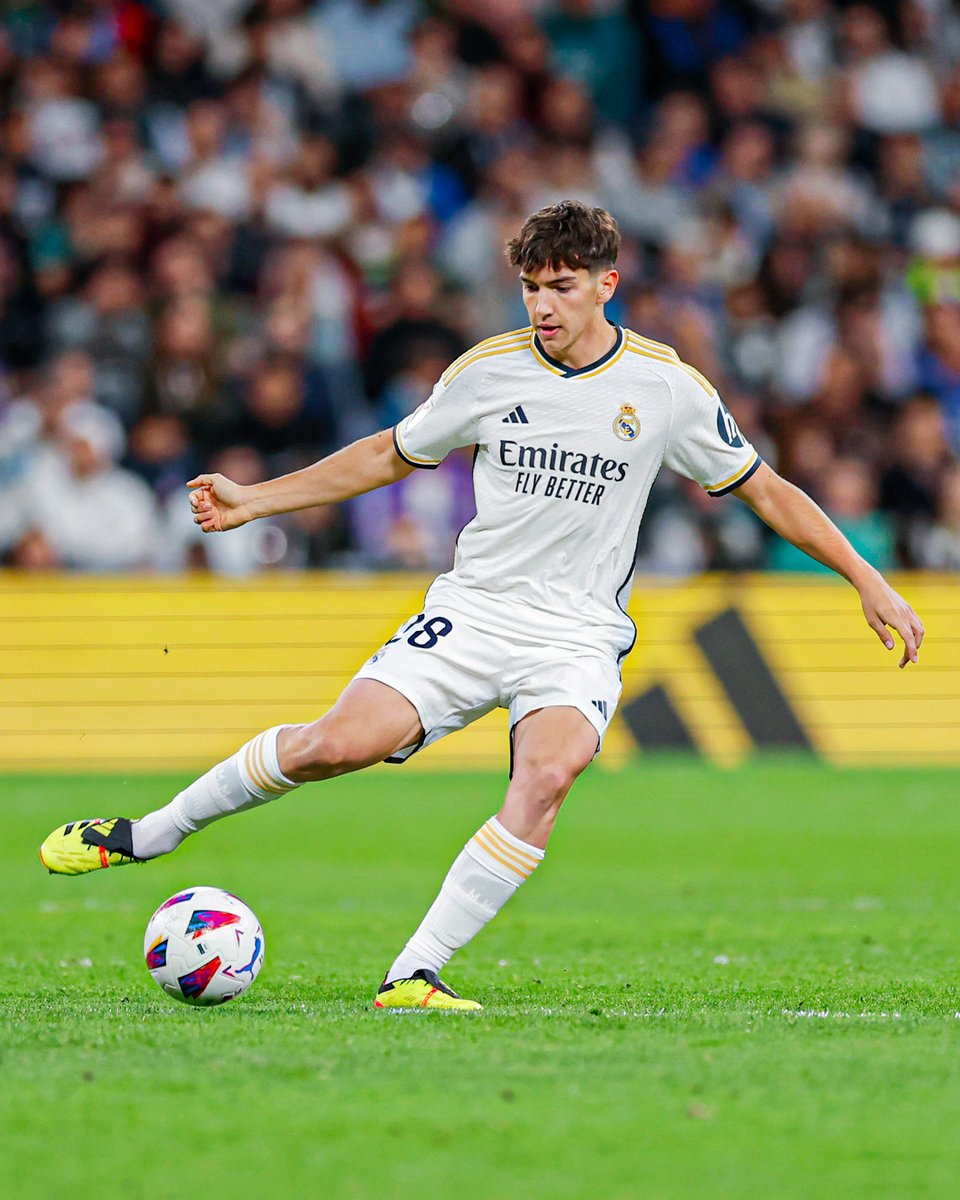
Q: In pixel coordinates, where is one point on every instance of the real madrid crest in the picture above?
(626, 424)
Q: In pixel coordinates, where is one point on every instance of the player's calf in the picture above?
(324, 751)
(368, 723)
(540, 784)
(533, 802)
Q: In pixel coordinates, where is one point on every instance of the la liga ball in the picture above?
(204, 946)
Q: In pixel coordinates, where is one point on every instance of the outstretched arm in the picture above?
(219, 504)
(794, 516)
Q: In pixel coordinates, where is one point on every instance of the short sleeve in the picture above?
(705, 443)
(442, 423)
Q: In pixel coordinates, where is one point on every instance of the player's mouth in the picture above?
(548, 331)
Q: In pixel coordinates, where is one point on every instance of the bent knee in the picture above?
(547, 782)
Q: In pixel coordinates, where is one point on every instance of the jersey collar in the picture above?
(594, 368)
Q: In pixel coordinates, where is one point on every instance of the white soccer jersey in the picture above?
(565, 460)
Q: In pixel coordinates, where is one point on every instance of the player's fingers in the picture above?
(204, 511)
(909, 642)
(880, 629)
(201, 481)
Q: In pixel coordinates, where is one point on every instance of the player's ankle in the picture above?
(155, 834)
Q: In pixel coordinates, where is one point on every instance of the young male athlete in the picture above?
(571, 419)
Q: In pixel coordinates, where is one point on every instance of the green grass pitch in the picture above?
(720, 984)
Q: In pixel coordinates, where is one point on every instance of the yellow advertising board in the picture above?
(155, 672)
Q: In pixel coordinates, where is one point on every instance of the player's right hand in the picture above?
(218, 503)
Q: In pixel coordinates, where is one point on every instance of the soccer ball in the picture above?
(204, 946)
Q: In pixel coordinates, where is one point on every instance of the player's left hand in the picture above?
(885, 609)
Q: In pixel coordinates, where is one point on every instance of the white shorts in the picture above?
(453, 671)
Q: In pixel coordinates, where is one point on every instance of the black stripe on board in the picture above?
(655, 723)
(750, 685)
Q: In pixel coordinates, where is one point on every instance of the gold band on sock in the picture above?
(508, 855)
(255, 764)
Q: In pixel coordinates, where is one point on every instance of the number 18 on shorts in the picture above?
(454, 670)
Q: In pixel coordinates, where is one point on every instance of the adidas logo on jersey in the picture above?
(517, 417)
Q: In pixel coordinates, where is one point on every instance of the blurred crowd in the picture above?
(237, 234)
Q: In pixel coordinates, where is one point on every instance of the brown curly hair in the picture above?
(570, 234)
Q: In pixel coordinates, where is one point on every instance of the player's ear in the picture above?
(608, 285)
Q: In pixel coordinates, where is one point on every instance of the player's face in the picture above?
(563, 304)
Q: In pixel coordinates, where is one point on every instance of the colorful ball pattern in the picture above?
(204, 946)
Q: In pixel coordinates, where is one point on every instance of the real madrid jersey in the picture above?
(565, 459)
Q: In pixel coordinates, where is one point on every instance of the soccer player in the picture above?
(571, 419)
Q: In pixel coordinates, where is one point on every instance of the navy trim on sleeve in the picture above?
(738, 482)
(423, 466)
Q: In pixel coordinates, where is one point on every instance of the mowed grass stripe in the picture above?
(717, 984)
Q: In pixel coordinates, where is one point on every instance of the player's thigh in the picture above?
(368, 723)
(447, 667)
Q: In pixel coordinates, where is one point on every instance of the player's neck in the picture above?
(597, 339)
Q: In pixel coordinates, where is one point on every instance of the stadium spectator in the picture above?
(78, 508)
(937, 547)
(849, 496)
(217, 218)
(413, 329)
(414, 525)
(888, 90)
(940, 365)
(920, 456)
(598, 47)
(370, 39)
(285, 414)
(182, 546)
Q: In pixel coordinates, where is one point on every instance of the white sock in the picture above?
(249, 778)
(487, 872)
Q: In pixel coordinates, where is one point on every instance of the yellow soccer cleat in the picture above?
(82, 846)
(422, 990)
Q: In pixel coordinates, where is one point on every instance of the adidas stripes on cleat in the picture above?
(83, 846)
(422, 990)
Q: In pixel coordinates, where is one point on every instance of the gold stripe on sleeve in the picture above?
(506, 348)
(657, 347)
(416, 458)
(674, 361)
(717, 487)
(490, 343)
